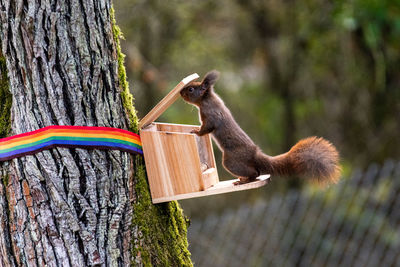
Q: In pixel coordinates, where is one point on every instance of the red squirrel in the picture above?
(312, 157)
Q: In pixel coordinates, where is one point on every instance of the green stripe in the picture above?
(70, 138)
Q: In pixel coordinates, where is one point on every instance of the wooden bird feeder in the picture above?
(180, 164)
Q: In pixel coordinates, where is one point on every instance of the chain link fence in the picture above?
(354, 223)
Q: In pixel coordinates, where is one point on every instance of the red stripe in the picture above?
(93, 128)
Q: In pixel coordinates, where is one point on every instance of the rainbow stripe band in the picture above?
(69, 136)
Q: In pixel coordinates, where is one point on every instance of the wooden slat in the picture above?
(210, 177)
(183, 162)
(176, 128)
(166, 101)
(219, 188)
(172, 161)
(210, 151)
(155, 155)
(204, 146)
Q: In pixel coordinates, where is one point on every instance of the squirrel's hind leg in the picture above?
(246, 172)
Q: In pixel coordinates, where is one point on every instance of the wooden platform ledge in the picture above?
(219, 188)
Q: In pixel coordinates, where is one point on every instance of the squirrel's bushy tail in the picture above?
(312, 158)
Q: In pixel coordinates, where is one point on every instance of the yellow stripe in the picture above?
(68, 134)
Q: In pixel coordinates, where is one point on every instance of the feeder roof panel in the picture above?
(167, 101)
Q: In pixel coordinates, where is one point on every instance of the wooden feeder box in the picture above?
(180, 164)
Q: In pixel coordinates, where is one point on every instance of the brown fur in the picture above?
(313, 157)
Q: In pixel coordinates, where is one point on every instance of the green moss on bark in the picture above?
(127, 97)
(5, 99)
(162, 228)
(5, 113)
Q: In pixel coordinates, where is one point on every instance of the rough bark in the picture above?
(74, 207)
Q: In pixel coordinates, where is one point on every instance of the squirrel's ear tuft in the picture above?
(209, 79)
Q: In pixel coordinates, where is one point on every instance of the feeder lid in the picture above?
(166, 101)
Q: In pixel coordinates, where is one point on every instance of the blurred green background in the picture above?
(289, 69)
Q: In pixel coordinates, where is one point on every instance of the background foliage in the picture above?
(289, 69)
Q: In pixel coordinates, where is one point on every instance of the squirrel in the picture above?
(314, 158)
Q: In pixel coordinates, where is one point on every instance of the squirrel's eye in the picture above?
(191, 89)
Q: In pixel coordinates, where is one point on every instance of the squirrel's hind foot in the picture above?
(244, 180)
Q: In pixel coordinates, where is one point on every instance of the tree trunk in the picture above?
(76, 207)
